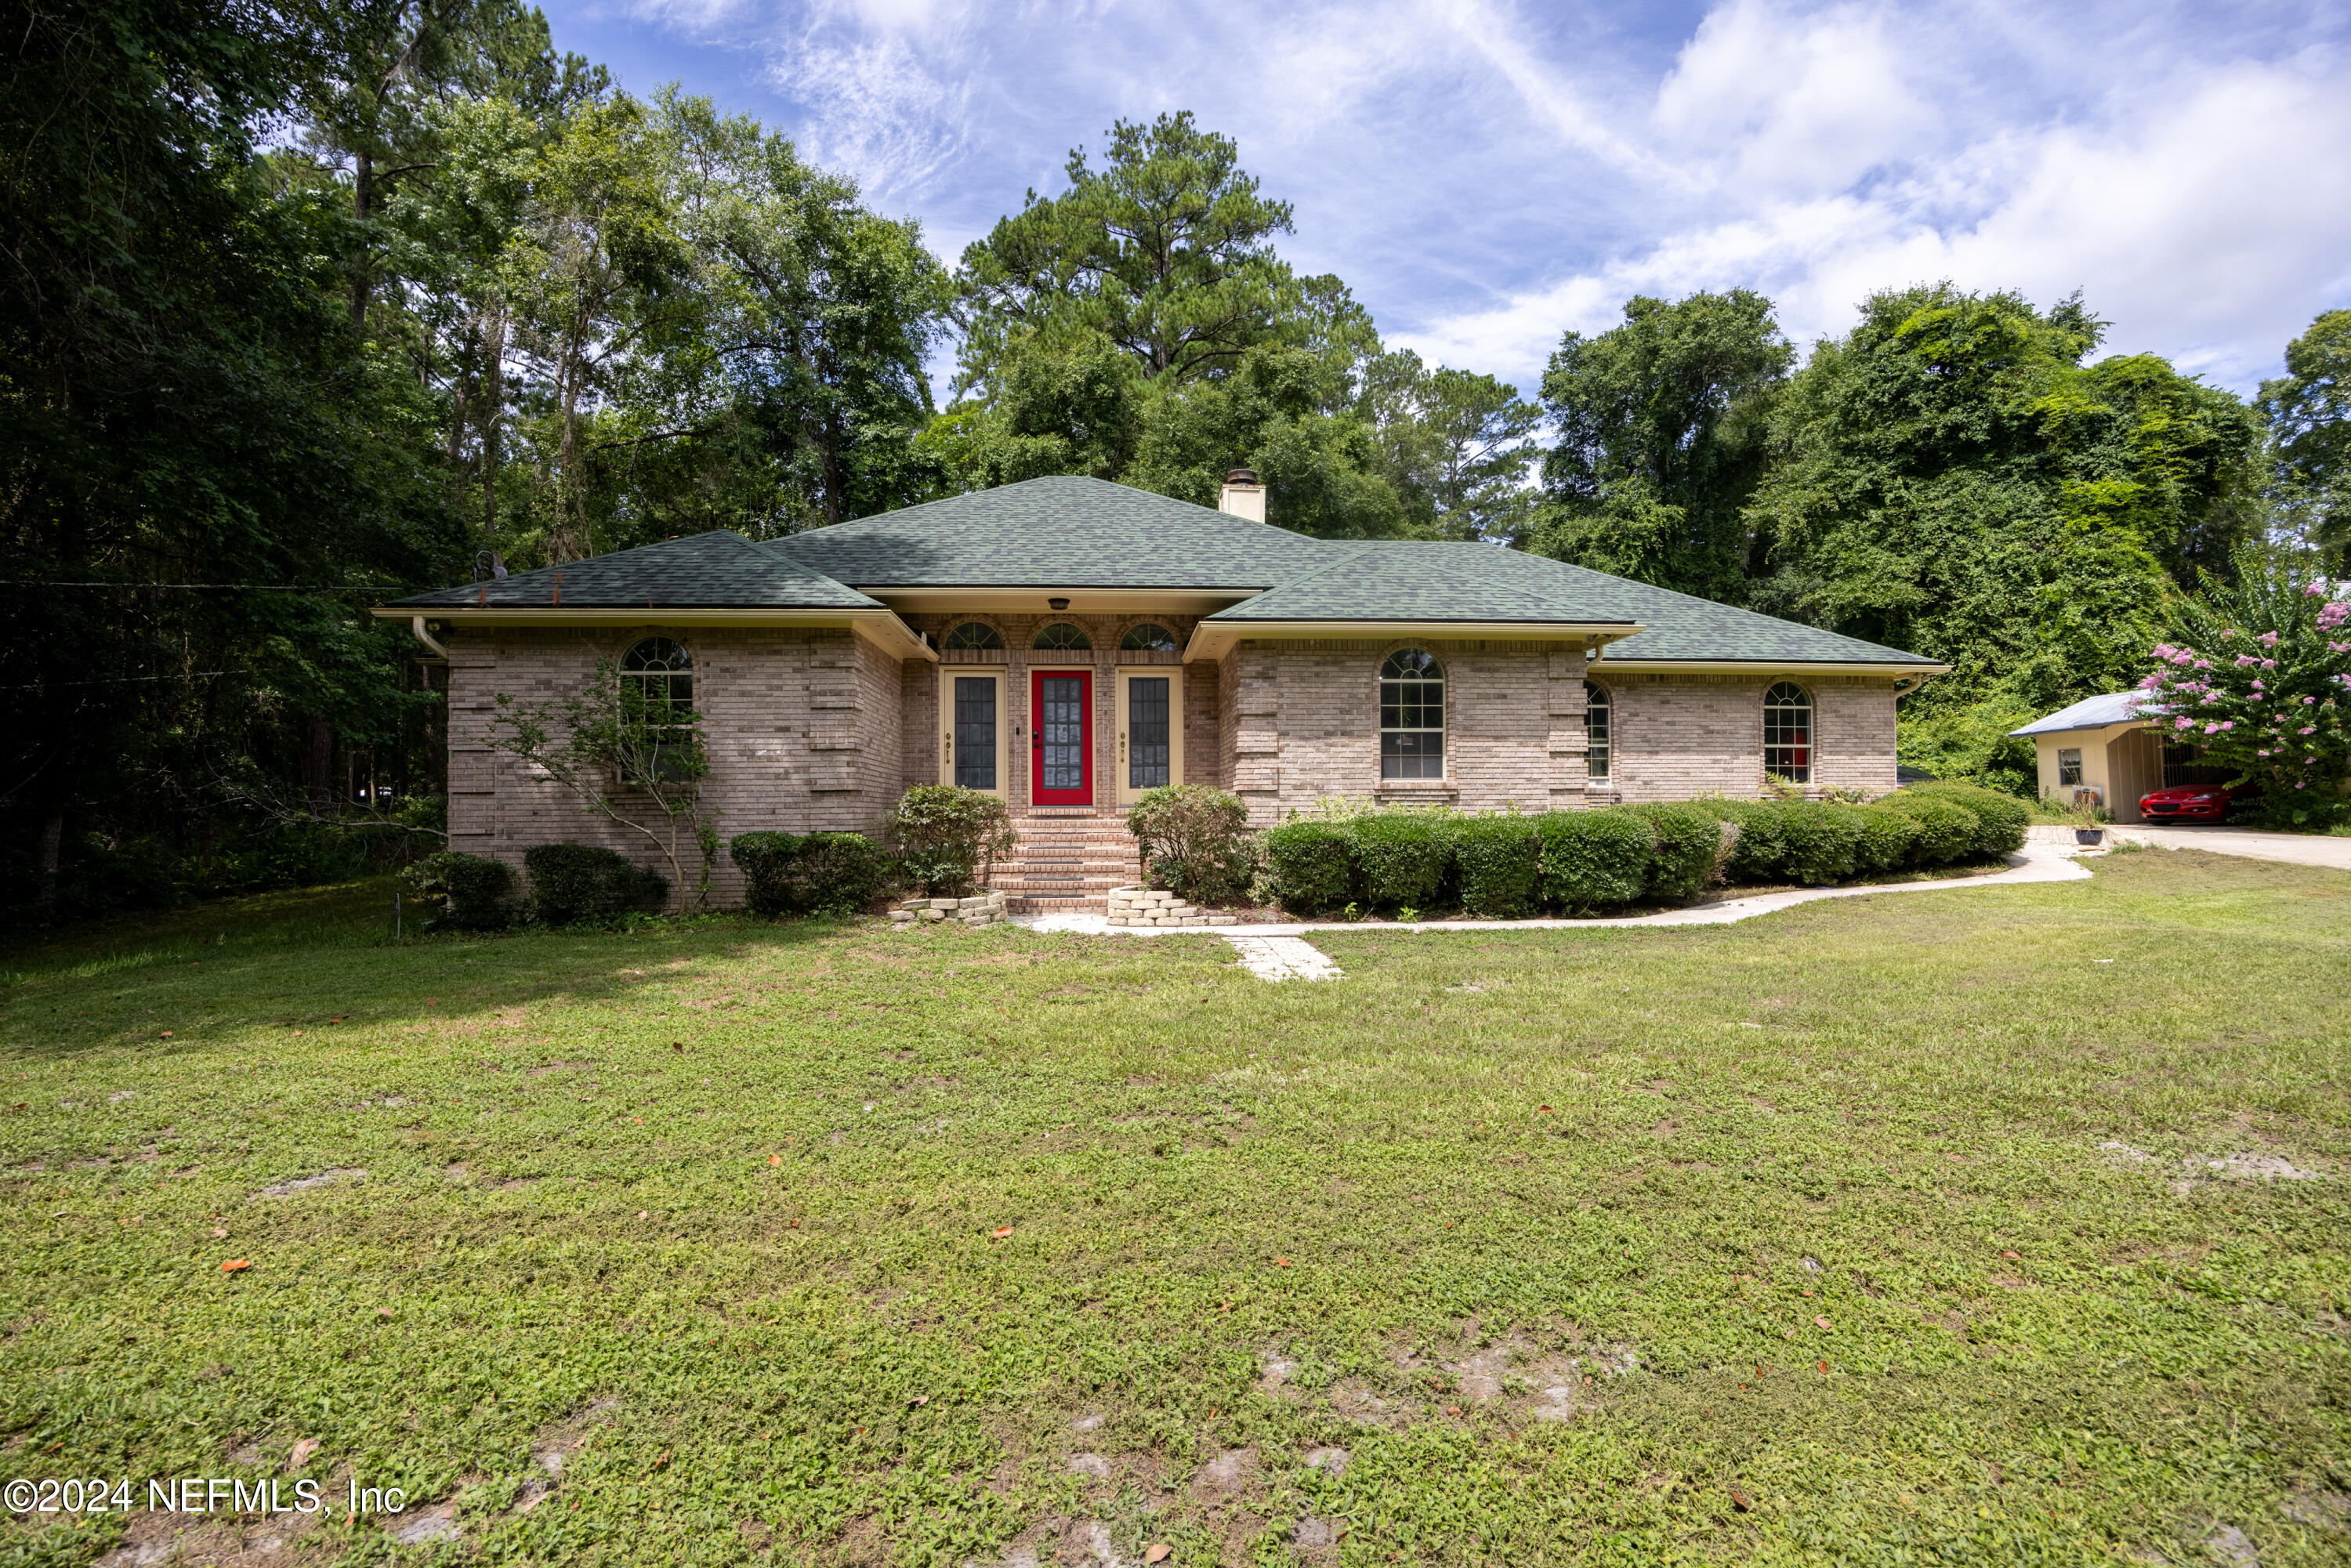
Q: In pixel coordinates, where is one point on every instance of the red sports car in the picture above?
(2189, 803)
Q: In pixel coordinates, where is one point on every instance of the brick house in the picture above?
(1069, 643)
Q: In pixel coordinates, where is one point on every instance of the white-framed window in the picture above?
(1148, 638)
(1411, 716)
(1061, 636)
(2069, 766)
(661, 671)
(1596, 731)
(975, 636)
(1788, 732)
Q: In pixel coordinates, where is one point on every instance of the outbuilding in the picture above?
(2108, 748)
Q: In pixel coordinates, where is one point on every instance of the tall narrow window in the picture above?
(975, 731)
(974, 636)
(1788, 732)
(659, 674)
(1411, 716)
(1595, 731)
(2069, 765)
(1148, 718)
(1062, 636)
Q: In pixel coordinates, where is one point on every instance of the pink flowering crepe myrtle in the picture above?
(2257, 682)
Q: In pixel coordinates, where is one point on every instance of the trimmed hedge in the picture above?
(2001, 820)
(1886, 838)
(574, 882)
(1311, 865)
(1594, 859)
(1506, 866)
(1823, 841)
(1947, 831)
(836, 873)
(1404, 858)
(763, 857)
(1690, 846)
(1501, 865)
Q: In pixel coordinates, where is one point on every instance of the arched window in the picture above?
(662, 672)
(1411, 716)
(1061, 636)
(1596, 732)
(1788, 732)
(974, 634)
(1147, 639)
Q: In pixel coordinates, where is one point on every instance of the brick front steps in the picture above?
(1146, 906)
(1067, 862)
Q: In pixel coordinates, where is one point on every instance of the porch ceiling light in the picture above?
(1057, 605)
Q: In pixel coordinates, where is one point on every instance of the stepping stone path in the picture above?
(1284, 958)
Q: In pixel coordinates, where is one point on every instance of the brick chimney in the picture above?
(1242, 496)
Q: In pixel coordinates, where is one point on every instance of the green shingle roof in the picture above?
(1417, 580)
(1680, 626)
(1395, 580)
(717, 570)
(1085, 533)
(1062, 532)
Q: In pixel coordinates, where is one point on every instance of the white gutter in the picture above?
(416, 625)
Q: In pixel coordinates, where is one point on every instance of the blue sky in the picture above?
(1486, 175)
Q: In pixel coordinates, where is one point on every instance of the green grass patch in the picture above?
(1606, 1246)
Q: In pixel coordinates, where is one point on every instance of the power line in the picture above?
(115, 681)
(239, 587)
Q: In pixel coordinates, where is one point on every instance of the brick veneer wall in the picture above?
(1302, 723)
(802, 727)
(1678, 735)
(812, 729)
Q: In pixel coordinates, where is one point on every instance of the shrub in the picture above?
(573, 883)
(1886, 838)
(474, 893)
(835, 872)
(1689, 848)
(1947, 831)
(1594, 859)
(1310, 866)
(763, 857)
(1501, 865)
(1823, 840)
(948, 838)
(1762, 847)
(1405, 858)
(1196, 842)
(2001, 820)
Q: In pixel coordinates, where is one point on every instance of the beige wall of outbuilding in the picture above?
(2120, 761)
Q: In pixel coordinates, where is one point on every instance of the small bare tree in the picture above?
(623, 748)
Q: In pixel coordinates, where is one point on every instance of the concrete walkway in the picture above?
(2291, 849)
(2039, 862)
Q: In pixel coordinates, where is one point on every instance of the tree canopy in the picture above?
(2308, 412)
(1661, 425)
(1951, 478)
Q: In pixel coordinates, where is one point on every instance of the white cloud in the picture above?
(1487, 173)
(2206, 210)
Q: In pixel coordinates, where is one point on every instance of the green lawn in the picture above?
(1787, 1241)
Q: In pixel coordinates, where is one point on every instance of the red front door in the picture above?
(1061, 737)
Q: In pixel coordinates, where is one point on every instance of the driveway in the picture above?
(2294, 849)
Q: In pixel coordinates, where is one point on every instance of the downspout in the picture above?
(416, 625)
